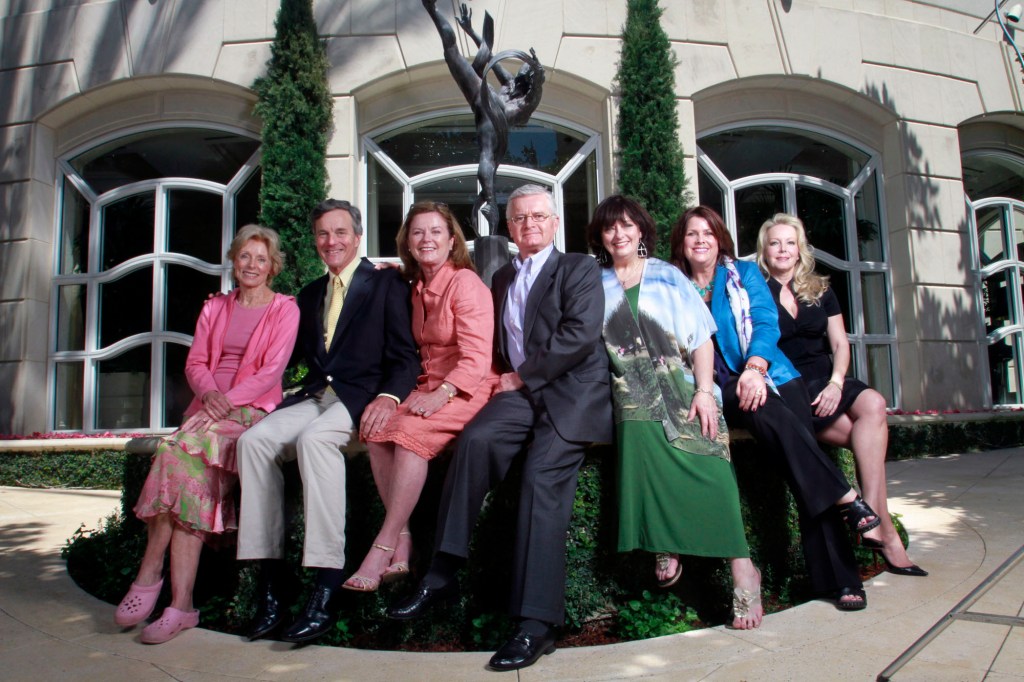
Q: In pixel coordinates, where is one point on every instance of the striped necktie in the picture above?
(334, 311)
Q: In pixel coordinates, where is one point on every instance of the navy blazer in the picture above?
(373, 350)
(566, 366)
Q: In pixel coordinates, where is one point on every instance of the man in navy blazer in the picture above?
(355, 334)
(553, 400)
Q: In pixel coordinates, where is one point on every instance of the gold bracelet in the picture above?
(704, 390)
(836, 384)
(451, 392)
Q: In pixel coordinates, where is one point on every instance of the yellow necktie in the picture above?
(334, 311)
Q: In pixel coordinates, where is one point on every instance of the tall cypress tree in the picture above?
(651, 158)
(296, 109)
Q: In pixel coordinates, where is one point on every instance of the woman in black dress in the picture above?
(847, 413)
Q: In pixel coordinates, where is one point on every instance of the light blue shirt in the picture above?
(515, 308)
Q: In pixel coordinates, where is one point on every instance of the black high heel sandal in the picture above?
(858, 603)
(856, 513)
(913, 570)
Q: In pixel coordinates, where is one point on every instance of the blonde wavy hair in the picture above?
(807, 284)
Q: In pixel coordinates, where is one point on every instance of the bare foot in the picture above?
(746, 602)
(667, 569)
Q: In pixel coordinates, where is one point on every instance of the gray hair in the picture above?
(328, 205)
(529, 191)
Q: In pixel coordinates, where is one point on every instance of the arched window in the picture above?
(749, 173)
(436, 159)
(994, 185)
(144, 221)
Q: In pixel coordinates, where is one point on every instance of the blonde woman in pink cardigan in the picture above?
(239, 353)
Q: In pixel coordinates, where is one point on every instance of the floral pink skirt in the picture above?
(194, 475)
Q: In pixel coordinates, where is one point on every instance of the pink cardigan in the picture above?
(258, 381)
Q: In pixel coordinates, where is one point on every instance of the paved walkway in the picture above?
(965, 514)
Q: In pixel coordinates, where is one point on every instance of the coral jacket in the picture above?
(258, 381)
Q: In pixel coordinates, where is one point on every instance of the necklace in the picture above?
(630, 273)
(704, 290)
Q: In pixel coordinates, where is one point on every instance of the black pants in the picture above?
(510, 425)
(783, 425)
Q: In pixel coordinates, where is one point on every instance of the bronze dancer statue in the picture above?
(493, 111)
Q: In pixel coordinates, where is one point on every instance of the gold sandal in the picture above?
(744, 600)
(360, 583)
(397, 571)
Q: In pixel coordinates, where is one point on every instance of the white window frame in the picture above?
(860, 341)
(158, 258)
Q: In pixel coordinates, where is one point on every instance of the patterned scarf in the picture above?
(739, 303)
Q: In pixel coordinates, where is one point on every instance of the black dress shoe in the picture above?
(420, 602)
(315, 621)
(522, 650)
(269, 615)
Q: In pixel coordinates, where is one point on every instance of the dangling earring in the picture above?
(603, 258)
(641, 250)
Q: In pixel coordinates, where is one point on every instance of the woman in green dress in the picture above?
(677, 486)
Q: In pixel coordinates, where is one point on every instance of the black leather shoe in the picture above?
(315, 621)
(269, 615)
(522, 650)
(420, 602)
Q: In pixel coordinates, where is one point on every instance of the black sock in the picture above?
(442, 571)
(271, 572)
(329, 578)
(537, 628)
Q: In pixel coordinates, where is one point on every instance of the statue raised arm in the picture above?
(493, 111)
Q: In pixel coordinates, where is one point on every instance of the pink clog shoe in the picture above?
(168, 625)
(137, 604)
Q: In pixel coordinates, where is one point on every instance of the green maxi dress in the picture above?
(677, 489)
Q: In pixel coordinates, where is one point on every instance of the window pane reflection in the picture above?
(127, 229)
(824, 219)
(711, 195)
(122, 392)
(177, 394)
(869, 223)
(126, 306)
(71, 317)
(839, 282)
(996, 301)
(754, 205)
(247, 201)
(579, 199)
(74, 245)
(459, 193)
(185, 293)
(194, 224)
(67, 414)
(989, 175)
(880, 371)
(742, 152)
(876, 303)
(1018, 233)
(989, 221)
(1003, 367)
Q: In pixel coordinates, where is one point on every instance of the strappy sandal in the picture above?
(744, 600)
(360, 583)
(859, 605)
(859, 517)
(662, 560)
(398, 570)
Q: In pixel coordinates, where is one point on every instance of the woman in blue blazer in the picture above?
(763, 393)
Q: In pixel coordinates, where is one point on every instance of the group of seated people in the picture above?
(563, 351)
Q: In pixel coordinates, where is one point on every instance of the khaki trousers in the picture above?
(313, 432)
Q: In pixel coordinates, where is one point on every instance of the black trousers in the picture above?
(510, 425)
(783, 426)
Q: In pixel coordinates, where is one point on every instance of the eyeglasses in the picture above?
(535, 217)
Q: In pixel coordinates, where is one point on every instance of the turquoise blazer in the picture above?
(765, 317)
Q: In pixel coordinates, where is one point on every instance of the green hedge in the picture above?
(102, 469)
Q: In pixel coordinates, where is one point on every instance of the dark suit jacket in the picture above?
(373, 350)
(566, 366)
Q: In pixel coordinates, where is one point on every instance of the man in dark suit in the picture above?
(355, 334)
(552, 401)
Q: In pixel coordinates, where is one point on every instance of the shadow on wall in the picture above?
(951, 368)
